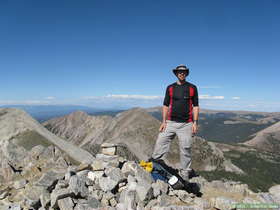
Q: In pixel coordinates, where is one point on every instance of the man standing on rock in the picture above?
(179, 117)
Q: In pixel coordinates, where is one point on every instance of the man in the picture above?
(179, 117)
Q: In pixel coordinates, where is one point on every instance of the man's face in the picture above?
(181, 75)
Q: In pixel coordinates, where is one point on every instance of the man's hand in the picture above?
(194, 128)
(162, 127)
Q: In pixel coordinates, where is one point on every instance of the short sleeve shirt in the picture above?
(181, 99)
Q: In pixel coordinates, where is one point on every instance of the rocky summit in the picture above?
(112, 182)
(39, 170)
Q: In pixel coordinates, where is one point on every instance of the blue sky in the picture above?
(121, 53)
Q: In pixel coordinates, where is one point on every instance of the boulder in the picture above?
(107, 184)
(77, 186)
(49, 179)
(65, 204)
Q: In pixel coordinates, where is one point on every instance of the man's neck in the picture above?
(181, 82)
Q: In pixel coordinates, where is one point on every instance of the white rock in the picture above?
(94, 175)
(109, 151)
(275, 190)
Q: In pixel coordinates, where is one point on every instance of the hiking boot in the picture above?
(192, 174)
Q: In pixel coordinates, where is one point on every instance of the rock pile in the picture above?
(112, 182)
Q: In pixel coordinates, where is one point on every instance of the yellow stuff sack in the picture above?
(148, 166)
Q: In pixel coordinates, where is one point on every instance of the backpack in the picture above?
(167, 174)
(170, 175)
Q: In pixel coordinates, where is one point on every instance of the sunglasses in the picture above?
(181, 72)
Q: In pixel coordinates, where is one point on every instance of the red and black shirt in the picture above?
(181, 99)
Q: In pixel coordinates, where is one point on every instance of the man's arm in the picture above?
(164, 113)
(164, 118)
(195, 111)
(165, 108)
(195, 119)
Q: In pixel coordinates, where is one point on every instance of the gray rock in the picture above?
(95, 175)
(14, 154)
(95, 187)
(57, 153)
(183, 196)
(113, 202)
(61, 163)
(82, 207)
(116, 175)
(165, 200)
(132, 186)
(108, 195)
(131, 179)
(58, 194)
(274, 190)
(48, 153)
(6, 170)
(93, 202)
(120, 206)
(156, 190)
(20, 184)
(104, 202)
(144, 184)
(142, 176)
(202, 203)
(218, 184)
(108, 149)
(237, 187)
(159, 187)
(49, 179)
(140, 206)
(65, 204)
(14, 207)
(106, 158)
(4, 193)
(151, 204)
(129, 168)
(130, 200)
(45, 198)
(83, 173)
(107, 184)
(32, 195)
(77, 186)
(36, 151)
(98, 165)
(82, 167)
(265, 198)
(250, 200)
(71, 170)
(89, 182)
(97, 194)
(62, 184)
(144, 192)
(222, 203)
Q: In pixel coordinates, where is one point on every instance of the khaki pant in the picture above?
(184, 133)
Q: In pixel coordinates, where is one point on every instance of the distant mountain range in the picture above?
(229, 126)
(45, 112)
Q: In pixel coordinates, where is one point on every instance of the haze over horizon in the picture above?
(121, 54)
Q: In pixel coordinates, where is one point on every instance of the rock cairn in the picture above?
(52, 182)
